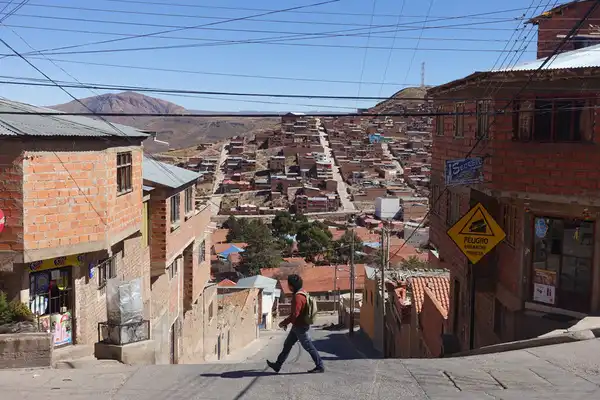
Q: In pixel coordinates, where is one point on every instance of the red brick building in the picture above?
(180, 262)
(71, 192)
(541, 175)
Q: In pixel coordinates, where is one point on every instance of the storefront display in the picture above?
(51, 296)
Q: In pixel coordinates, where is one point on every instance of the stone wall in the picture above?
(25, 350)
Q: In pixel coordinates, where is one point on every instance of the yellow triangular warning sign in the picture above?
(476, 233)
(477, 225)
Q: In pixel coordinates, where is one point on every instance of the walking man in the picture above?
(300, 318)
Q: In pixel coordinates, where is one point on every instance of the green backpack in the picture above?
(311, 309)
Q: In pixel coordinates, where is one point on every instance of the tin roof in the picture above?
(55, 125)
(587, 57)
(166, 174)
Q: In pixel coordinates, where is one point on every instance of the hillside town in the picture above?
(446, 232)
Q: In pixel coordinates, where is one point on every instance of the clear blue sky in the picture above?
(40, 26)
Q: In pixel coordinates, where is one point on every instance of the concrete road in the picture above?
(387, 152)
(342, 190)
(219, 176)
(566, 371)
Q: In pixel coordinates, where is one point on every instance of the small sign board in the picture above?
(476, 233)
(466, 171)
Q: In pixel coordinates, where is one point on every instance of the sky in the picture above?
(369, 48)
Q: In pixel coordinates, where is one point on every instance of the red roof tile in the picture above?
(321, 279)
(221, 247)
(219, 236)
(438, 287)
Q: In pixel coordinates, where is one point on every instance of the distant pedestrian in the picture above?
(302, 316)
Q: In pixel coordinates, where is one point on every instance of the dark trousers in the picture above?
(299, 334)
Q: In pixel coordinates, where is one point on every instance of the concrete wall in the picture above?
(25, 350)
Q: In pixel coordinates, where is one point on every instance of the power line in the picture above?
(479, 16)
(277, 40)
(366, 52)
(183, 28)
(389, 57)
(414, 52)
(170, 5)
(547, 61)
(167, 91)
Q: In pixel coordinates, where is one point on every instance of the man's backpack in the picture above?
(311, 309)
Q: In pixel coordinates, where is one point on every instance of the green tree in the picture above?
(283, 224)
(262, 251)
(342, 248)
(413, 262)
(236, 229)
(314, 239)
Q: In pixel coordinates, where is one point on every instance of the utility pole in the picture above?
(423, 74)
(352, 279)
(384, 261)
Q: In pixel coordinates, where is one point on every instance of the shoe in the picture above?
(317, 370)
(273, 366)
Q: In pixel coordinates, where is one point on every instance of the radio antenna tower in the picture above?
(423, 74)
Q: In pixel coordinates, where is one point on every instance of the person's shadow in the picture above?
(248, 373)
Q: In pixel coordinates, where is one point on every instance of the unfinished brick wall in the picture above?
(70, 193)
(561, 23)
(433, 323)
(11, 203)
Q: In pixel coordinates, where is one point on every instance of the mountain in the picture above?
(398, 102)
(179, 132)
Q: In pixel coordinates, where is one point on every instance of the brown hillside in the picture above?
(398, 102)
(178, 131)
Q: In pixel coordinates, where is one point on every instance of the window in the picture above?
(509, 222)
(500, 319)
(483, 109)
(124, 172)
(562, 263)
(173, 269)
(202, 252)
(189, 200)
(452, 208)
(439, 122)
(106, 270)
(175, 208)
(459, 120)
(549, 120)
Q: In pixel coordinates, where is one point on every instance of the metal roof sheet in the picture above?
(587, 57)
(166, 174)
(55, 125)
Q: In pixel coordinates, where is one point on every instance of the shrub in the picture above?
(13, 311)
(20, 311)
(5, 316)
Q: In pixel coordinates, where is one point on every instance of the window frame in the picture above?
(439, 122)
(459, 119)
(202, 252)
(173, 269)
(124, 172)
(435, 194)
(527, 112)
(106, 269)
(189, 200)
(175, 203)
(560, 294)
(483, 119)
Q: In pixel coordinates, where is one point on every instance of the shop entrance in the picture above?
(51, 300)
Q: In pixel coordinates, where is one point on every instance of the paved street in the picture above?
(567, 371)
(219, 176)
(347, 203)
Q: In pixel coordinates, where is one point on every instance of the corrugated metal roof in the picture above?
(587, 57)
(54, 125)
(166, 174)
(258, 281)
